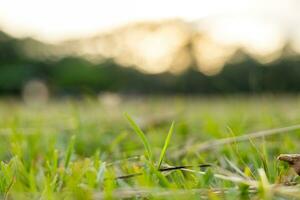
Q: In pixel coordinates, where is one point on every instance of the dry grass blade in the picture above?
(171, 168)
(288, 191)
(235, 168)
(144, 193)
(216, 143)
(234, 179)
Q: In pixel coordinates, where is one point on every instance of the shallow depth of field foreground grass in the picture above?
(90, 149)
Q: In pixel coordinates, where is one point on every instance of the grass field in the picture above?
(90, 149)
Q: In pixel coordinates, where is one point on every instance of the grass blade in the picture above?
(167, 141)
(265, 187)
(101, 171)
(166, 169)
(69, 151)
(142, 136)
(233, 166)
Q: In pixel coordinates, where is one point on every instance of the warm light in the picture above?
(54, 20)
(296, 40)
(155, 44)
(211, 56)
(262, 39)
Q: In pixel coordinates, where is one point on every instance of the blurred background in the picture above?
(54, 48)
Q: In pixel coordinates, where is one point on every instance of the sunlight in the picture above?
(260, 38)
(135, 32)
(57, 20)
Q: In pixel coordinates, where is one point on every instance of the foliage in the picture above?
(75, 75)
(86, 149)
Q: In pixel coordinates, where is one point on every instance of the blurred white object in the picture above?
(109, 99)
(35, 92)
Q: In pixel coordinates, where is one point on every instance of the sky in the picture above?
(56, 20)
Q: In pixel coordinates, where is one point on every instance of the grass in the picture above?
(219, 148)
(143, 138)
(164, 149)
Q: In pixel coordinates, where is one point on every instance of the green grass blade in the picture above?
(101, 171)
(141, 135)
(167, 141)
(69, 151)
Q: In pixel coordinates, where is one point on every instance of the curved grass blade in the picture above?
(142, 136)
(167, 141)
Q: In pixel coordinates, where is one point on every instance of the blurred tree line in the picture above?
(75, 75)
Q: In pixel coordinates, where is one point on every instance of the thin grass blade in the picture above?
(142, 136)
(69, 151)
(167, 141)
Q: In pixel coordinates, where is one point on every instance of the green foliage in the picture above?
(75, 75)
(42, 159)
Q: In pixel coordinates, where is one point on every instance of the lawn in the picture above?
(149, 148)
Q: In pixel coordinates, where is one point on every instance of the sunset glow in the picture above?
(261, 28)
